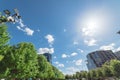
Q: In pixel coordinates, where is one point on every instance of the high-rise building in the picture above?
(118, 54)
(98, 58)
(48, 57)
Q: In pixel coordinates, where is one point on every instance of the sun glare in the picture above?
(92, 23)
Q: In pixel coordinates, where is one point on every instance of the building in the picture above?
(48, 57)
(118, 54)
(98, 58)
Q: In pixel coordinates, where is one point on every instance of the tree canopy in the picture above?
(21, 61)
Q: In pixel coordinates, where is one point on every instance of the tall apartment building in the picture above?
(98, 58)
(118, 54)
(48, 57)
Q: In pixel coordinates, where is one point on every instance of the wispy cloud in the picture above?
(78, 62)
(56, 62)
(111, 46)
(90, 42)
(38, 30)
(24, 28)
(45, 50)
(65, 55)
(29, 31)
(54, 57)
(68, 56)
(74, 54)
(75, 43)
(108, 47)
(80, 50)
(71, 70)
(50, 39)
(64, 30)
(60, 65)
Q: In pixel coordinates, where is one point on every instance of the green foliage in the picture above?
(45, 68)
(20, 61)
(68, 77)
(58, 74)
(88, 75)
(1, 57)
(4, 36)
(107, 71)
(115, 66)
(99, 72)
(3, 19)
(93, 74)
(84, 74)
(78, 75)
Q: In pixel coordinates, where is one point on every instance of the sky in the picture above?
(67, 29)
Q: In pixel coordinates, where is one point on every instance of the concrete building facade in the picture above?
(98, 58)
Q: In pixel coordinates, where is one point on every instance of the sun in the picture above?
(91, 26)
(93, 23)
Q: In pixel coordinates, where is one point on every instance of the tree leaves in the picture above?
(21, 61)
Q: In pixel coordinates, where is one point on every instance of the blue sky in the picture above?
(68, 29)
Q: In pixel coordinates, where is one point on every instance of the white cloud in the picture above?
(64, 30)
(75, 43)
(19, 28)
(71, 55)
(118, 49)
(23, 28)
(38, 30)
(54, 57)
(108, 47)
(29, 31)
(74, 54)
(60, 65)
(79, 62)
(73, 61)
(56, 62)
(87, 31)
(50, 39)
(90, 42)
(89, 35)
(80, 50)
(65, 56)
(20, 22)
(71, 70)
(45, 50)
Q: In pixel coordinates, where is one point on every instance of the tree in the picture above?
(88, 76)
(115, 66)
(78, 75)
(4, 36)
(45, 68)
(93, 74)
(68, 76)
(99, 73)
(74, 76)
(83, 74)
(107, 71)
(58, 74)
(20, 61)
(1, 57)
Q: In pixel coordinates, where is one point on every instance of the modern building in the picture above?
(98, 58)
(118, 54)
(48, 57)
